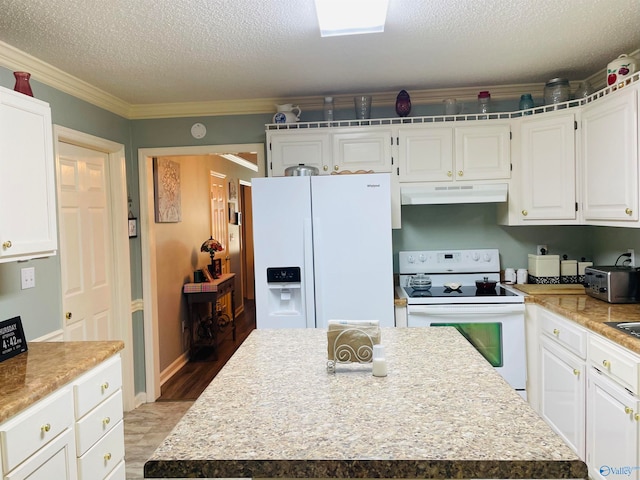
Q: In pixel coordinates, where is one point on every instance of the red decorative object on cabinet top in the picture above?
(22, 83)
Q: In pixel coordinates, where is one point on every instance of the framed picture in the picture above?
(207, 274)
(217, 266)
(233, 189)
(233, 214)
(167, 190)
(133, 227)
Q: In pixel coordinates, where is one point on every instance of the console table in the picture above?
(204, 330)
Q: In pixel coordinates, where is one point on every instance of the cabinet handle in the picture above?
(628, 410)
(104, 386)
(525, 213)
(637, 417)
(606, 363)
(7, 244)
(576, 372)
(628, 211)
(449, 173)
(106, 420)
(107, 456)
(460, 173)
(68, 315)
(325, 168)
(556, 331)
(45, 428)
(336, 168)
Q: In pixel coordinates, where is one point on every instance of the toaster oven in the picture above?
(613, 284)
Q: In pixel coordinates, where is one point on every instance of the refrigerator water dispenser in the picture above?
(285, 292)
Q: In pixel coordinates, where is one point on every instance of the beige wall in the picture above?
(178, 248)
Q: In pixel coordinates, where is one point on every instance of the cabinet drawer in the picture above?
(118, 473)
(95, 386)
(567, 334)
(97, 422)
(104, 456)
(54, 461)
(36, 426)
(614, 361)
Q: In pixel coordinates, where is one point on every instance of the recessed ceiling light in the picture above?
(350, 17)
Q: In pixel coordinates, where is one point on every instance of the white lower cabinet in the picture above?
(613, 428)
(562, 402)
(74, 433)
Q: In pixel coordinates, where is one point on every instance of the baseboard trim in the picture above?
(172, 369)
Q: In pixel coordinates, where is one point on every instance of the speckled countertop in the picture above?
(442, 412)
(45, 367)
(593, 314)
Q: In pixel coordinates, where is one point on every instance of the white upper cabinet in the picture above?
(288, 149)
(610, 159)
(547, 168)
(447, 154)
(482, 152)
(426, 154)
(27, 181)
(362, 148)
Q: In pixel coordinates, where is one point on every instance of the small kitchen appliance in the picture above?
(613, 284)
(465, 293)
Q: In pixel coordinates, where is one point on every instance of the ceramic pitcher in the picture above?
(287, 113)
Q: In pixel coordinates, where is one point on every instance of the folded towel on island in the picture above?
(352, 340)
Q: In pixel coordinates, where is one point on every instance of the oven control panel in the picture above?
(449, 261)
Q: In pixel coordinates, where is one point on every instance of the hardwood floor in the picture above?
(189, 382)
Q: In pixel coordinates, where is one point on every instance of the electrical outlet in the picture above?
(632, 257)
(28, 277)
(539, 249)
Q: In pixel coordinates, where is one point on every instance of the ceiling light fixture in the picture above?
(350, 17)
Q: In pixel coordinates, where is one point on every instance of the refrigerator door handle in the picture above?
(309, 294)
(320, 321)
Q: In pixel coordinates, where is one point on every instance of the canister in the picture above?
(556, 90)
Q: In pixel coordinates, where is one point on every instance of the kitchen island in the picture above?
(442, 412)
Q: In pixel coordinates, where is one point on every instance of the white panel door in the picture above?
(483, 152)
(362, 149)
(86, 250)
(352, 248)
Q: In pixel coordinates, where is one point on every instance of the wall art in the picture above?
(166, 179)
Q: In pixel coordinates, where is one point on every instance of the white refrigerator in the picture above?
(322, 250)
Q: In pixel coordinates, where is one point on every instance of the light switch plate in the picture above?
(28, 277)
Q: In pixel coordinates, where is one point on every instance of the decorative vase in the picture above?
(403, 103)
(22, 83)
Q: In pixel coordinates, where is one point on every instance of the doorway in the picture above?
(149, 246)
(76, 151)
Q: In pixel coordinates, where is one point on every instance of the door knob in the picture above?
(449, 173)
(460, 173)
(7, 244)
(524, 213)
(628, 211)
(68, 315)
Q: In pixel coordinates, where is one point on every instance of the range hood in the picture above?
(438, 194)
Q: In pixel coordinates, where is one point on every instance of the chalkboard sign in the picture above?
(12, 341)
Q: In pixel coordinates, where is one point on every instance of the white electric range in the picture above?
(491, 319)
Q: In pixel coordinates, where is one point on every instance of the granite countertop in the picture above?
(442, 412)
(45, 367)
(593, 313)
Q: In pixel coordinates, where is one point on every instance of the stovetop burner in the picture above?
(463, 291)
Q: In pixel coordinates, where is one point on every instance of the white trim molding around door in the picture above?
(121, 293)
(148, 246)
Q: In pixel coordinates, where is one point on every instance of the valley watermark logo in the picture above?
(606, 470)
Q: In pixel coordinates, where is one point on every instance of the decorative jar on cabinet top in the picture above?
(287, 113)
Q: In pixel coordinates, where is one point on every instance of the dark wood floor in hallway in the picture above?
(189, 382)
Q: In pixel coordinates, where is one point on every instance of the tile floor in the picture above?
(145, 428)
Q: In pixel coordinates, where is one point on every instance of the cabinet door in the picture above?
(27, 183)
(610, 158)
(482, 152)
(55, 461)
(287, 149)
(364, 149)
(562, 402)
(425, 154)
(548, 179)
(612, 429)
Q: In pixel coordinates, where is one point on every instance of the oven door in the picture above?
(495, 330)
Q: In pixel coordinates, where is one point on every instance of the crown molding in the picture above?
(14, 59)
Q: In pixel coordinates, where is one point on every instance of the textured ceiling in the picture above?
(159, 51)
